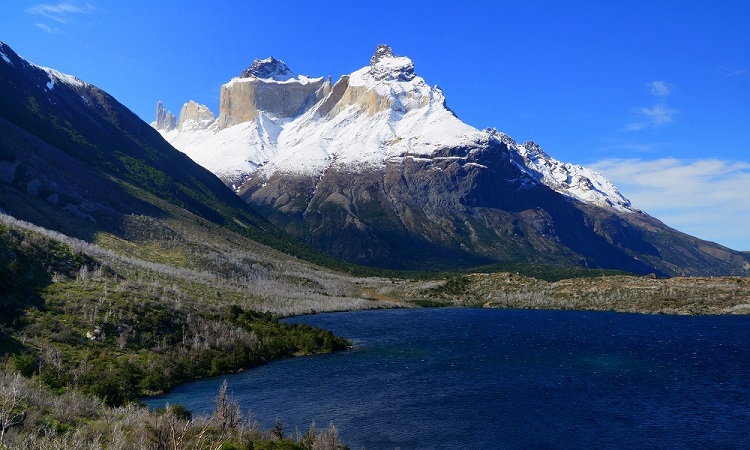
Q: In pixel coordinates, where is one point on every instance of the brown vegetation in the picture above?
(32, 418)
(679, 295)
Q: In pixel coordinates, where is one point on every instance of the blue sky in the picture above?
(654, 94)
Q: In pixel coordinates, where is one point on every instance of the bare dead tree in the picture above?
(11, 403)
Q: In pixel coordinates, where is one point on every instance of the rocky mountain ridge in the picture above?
(286, 131)
(376, 169)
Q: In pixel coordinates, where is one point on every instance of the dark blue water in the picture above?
(470, 379)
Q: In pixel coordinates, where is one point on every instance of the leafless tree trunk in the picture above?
(227, 414)
(11, 398)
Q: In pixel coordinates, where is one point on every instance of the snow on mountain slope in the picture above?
(571, 179)
(231, 153)
(59, 77)
(377, 115)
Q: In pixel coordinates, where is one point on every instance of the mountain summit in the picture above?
(377, 170)
(385, 66)
(268, 68)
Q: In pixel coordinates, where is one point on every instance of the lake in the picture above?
(493, 378)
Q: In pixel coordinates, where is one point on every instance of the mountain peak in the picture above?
(384, 65)
(535, 149)
(382, 51)
(268, 68)
(194, 116)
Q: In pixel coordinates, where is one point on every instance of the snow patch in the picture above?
(299, 79)
(70, 80)
(570, 179)
(5, 58)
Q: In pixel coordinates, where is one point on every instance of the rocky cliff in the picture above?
(164, 119)
(268, 86)
(195, 117)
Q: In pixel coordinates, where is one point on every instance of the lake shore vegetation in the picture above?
(87, 328)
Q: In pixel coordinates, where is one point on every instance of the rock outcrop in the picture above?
(194, 116)
(165, 121)
(269, 68)
(384, 65)
(268, 86)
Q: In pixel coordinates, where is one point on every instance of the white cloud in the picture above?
(654, 117)
(660, 88)
(47, 28)
(732, 71)
(659, 114)
(61, 12)
(705, 198)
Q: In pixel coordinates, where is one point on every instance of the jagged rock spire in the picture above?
(164, 119)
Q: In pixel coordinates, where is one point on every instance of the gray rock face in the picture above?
(268, 68)
(381, 51)
(164, 119)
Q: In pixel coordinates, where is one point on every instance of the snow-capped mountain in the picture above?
(381, 113)
(376, 169)
(414, 188)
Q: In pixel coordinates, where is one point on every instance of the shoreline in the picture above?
(617, 293)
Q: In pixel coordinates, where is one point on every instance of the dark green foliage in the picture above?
(283, 339)
(454, 286)
(430, 303)
(113, 382)
(168, 349)
(83, 325)
(283, 444)
(24, 363)
(27, 264)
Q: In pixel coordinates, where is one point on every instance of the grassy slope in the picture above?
(175, 303)
(119, 328)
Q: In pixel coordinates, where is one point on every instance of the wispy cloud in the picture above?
(654, 117)
(732, 71)
(660, 88)
(61, 12)
(659, 114)
(706, 198)
(46, 28)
